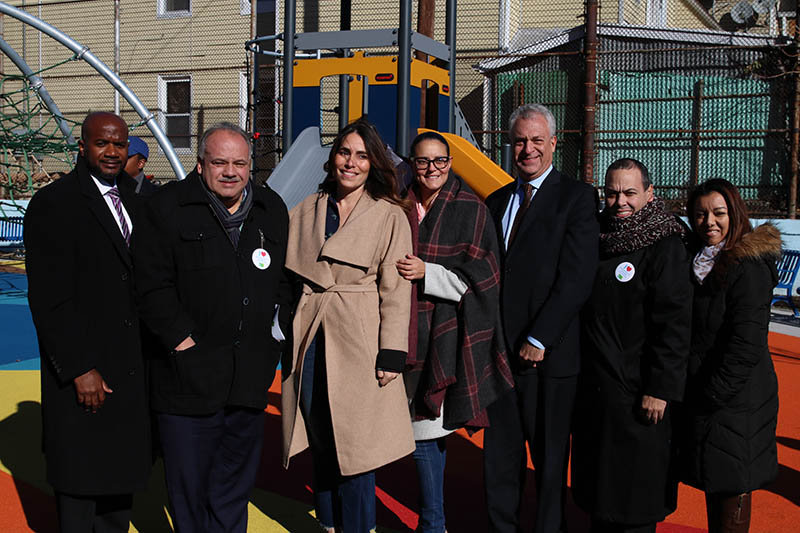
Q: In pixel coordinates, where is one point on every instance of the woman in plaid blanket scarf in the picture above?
(459, 365)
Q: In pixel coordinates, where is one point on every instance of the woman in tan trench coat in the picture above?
(343, 395)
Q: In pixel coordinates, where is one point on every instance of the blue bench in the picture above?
(11, 229)
(788, 265)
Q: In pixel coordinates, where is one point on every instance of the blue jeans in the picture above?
(344, 502)
(430, 457)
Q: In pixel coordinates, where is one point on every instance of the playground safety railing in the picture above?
(11, 229)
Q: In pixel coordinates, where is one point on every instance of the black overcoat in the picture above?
(732, 392)
(635, 342)
(191, 280)
(81, 294)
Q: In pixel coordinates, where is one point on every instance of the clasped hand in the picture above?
(653, 409)
(530, 354)
(91, 390)
(411, 267)
(385, 377)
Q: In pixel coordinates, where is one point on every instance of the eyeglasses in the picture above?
(422, 163)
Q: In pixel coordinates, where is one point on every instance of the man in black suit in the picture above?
(209, 257)
(95, 418)
(547, 223)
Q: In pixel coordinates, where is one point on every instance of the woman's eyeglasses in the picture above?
(422, 163)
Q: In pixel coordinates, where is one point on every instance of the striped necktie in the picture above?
(113, 193)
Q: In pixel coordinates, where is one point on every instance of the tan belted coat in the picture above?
(352, 289)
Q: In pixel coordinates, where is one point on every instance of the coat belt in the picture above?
(371, 287)
(317, 318)
(314, 325)
(325, 295)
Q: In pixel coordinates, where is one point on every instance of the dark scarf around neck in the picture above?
(645, 227)
(232, 222)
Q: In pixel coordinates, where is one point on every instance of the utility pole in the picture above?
(426, 15)
(794, 152)
(590, 91)
(403, 78)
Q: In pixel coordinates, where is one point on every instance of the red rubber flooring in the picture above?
(283, 499)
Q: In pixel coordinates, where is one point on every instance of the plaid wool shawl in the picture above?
(459, 357)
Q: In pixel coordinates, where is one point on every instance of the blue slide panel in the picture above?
(444, 107)
(306, 109)
(415, 106)
(383, 112)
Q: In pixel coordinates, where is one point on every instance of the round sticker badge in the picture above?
(624, 272)
(261, 258)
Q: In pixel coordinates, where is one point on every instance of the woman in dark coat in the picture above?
(732, 391)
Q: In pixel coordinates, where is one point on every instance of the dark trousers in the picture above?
(344, 502)
(210, 464)
(599, 526)
(98, 514)
(538, 411)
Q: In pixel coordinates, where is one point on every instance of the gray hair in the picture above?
(529, 110)
(219, 126)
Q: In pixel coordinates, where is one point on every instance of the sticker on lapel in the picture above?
(261, 258)
(625, 272)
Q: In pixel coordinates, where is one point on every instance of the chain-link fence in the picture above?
(694, 88)
(484, 31)
(185, 60)
(697, 94)
(690, 95)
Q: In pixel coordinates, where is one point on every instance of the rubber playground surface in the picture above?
(282, 500)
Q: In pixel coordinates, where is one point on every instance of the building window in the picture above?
(657, 13)
(175, 106)
(244, 7)
(174, 8)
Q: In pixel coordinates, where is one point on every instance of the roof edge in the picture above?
(686, 35)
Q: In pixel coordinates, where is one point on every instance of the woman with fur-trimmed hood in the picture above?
(732, 392)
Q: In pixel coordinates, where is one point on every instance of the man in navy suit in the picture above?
(547, 224)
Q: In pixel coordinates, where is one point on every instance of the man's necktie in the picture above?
(526, 203)
(113, 193)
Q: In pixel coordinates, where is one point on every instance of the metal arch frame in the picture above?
(37, 85)
(83, 52)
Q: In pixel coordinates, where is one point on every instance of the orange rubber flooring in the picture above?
(282, 499)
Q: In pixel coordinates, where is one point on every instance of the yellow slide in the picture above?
(480, 172)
